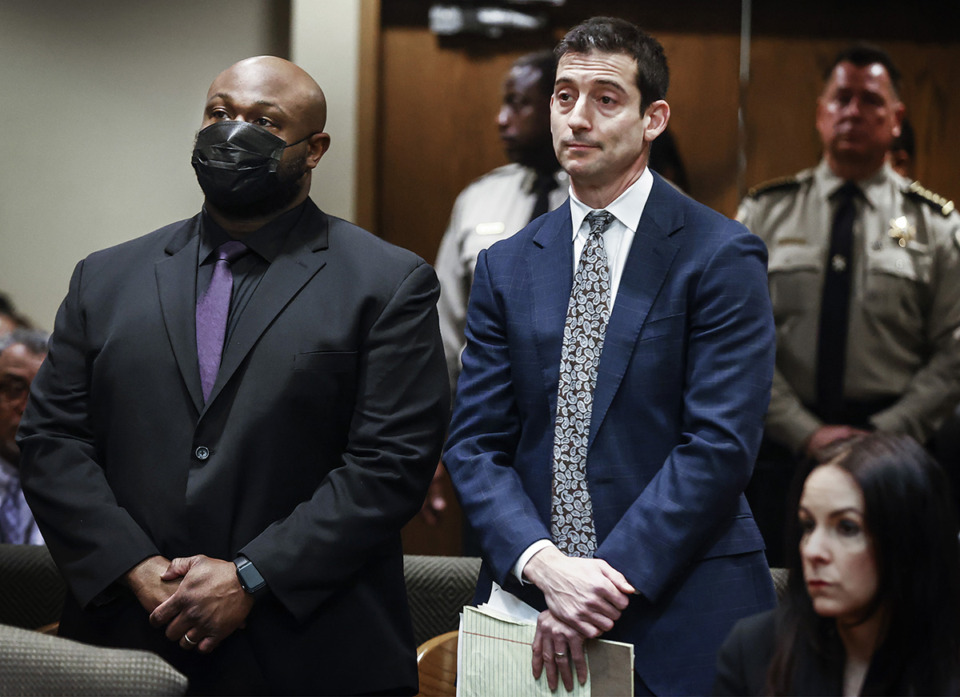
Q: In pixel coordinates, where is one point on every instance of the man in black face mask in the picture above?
(239, 413)
(241, 170)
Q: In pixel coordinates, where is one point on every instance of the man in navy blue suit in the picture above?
(609, 411)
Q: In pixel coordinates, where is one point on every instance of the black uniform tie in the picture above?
(542, 186)
(835, 306)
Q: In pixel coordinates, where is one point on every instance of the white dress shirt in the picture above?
(617, 240)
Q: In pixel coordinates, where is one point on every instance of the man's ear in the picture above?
(898, 112)
(317, 145)
(655, 119)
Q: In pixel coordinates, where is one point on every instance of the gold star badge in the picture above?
(902, 231)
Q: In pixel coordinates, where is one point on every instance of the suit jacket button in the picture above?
(202, 453)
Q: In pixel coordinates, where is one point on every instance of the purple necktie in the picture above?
(212, 311)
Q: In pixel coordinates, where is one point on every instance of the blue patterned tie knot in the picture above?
(599, 221)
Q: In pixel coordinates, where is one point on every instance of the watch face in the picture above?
(250, 578)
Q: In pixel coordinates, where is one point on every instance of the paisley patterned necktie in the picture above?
(587, 315)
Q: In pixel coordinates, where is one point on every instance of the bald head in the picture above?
(279, 97)
(272, 81)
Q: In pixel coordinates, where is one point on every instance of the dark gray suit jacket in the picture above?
(315, 447)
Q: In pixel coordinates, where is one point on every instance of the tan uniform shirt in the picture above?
(492, 208)
(904, 303)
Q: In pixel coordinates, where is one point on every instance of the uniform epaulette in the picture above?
(945, 206)
(791, 182)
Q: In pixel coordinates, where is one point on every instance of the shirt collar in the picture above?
(871, 187)
(266, 241)
(627, 208)
(560, 178)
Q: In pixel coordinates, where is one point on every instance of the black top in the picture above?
(744, 659)
(265, 245)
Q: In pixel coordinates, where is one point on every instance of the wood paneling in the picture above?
(786, 80)
(368, 93)
(438, 132)
(443, 538)
(439, 98)
(703, 92)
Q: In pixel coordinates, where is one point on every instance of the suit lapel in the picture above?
(551, 278)
(648, 262)
(298, 261)
(176, 283)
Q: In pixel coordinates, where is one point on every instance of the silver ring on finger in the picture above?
(559, 654)
(189, 641)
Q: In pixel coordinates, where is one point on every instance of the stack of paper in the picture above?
(495, 656)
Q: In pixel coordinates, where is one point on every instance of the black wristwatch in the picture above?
(250, 579)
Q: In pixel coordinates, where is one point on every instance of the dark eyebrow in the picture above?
(612, 83)
(260, 102)
(272, 105)
(834, 514)
(606, 83)
(848, 509)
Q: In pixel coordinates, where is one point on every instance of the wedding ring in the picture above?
(189, 640)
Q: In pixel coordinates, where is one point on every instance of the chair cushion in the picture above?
(39, 664)
(32, 590)
(437, 589)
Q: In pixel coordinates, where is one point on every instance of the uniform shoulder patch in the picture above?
(778, 184)
(916, 191)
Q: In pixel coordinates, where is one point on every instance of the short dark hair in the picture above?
(862, 55)
(9, 309)
(546, 63)
(34, 340)
(906, 141)
(614, 35)
(909, 515)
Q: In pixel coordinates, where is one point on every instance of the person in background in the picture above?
(864, 276)
(501, 202)
(21, 353)
(903, 151)
(617, 368)
(492, 208)
(665, 160)
(872, 604)
(10, 319)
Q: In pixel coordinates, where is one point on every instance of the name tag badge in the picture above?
(490, 228)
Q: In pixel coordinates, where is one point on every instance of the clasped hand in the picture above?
(584, 599)
(198, 599)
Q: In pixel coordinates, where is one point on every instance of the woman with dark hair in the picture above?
(872, 604)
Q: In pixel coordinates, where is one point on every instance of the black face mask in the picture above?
(238, 167)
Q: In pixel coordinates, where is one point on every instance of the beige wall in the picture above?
(324, 41)
(102, 101)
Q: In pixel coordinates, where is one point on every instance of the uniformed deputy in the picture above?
(503, 201)
(492, 208)
(892, 360)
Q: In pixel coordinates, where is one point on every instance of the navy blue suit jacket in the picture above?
(683, 385)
